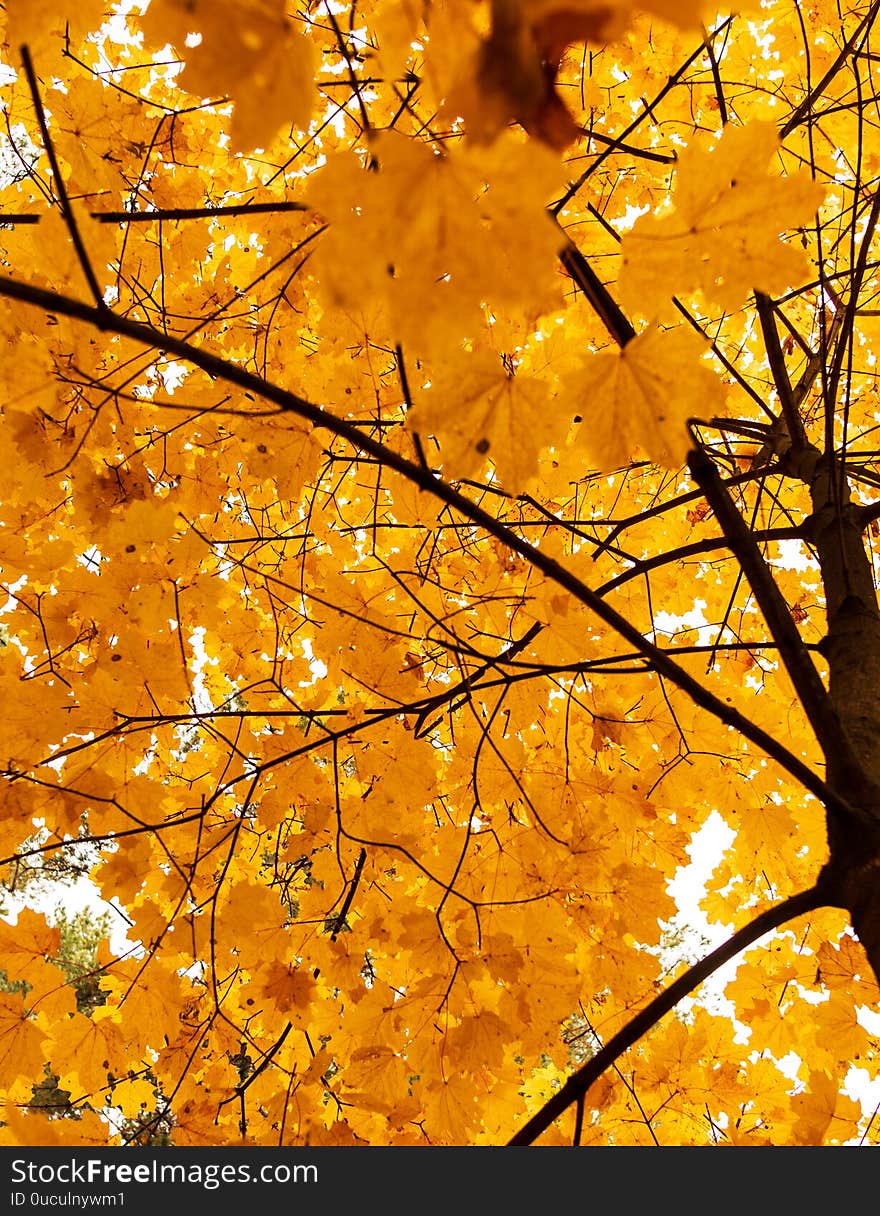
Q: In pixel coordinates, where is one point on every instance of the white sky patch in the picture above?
(792, 555)
(667, 624)
(318, 668)
(690, 934)
(624, 222)
(689, 885)
(73, 897)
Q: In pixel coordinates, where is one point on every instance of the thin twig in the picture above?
(66, 209)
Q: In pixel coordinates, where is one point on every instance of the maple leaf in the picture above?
(267, 935)
(41, 24)
(721, 236)
(377, 1075)
(422, 267)
(843, 964)
(248, 51)
(89, 1049)
(479, 411)
(642, 398)
(21, 1046)
(25, 946)
(817, 1106)
(288, 988)
(22, 1126)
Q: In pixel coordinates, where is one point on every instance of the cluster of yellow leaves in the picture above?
(249, 53)
(353, 837)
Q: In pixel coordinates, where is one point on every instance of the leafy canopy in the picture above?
(414, 418)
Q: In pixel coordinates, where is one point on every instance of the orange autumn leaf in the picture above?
(817, 1106)
(21, 1046)
(250, 51)
(26, 945)
(722, 234)
(642, 398)
(288, 989)
(89, 1047)
(485, 414)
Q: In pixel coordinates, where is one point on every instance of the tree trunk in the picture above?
(852, 648)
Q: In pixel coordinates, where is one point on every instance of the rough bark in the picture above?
(852, 649)
(846, 716)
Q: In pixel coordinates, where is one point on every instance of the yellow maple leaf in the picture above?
(248, 52)
(378, 1077)
(251, 904)
(642, 397)
(843, 965)
(288, 988)
(90, 1045)
(24, 1126)
(433, 238)
(478, 412)
(38, 24)
(478, 1039)
(22, 1049)
(452, 1108)
(721, 236)
(46, 255)
(26, 945)
(132, 1095)
(819, 1105)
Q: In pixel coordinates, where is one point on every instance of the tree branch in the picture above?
(579, 1082)
(107, 321)
(66, 209)
(776, 359)
(803, 674)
